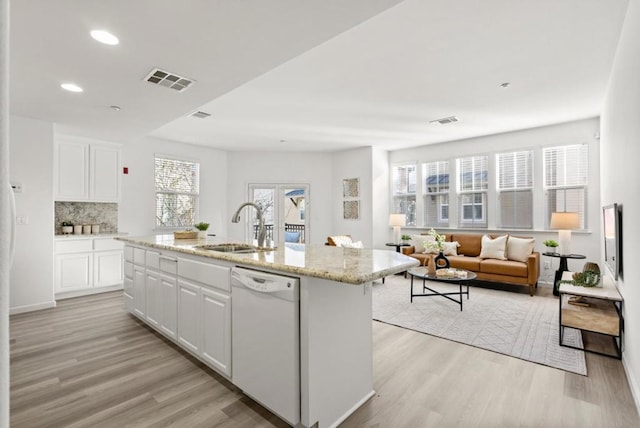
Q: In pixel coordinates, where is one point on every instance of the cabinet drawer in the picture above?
(107, 244)
(169, 264)
(138, 256)
(153, 260)
(206, 273)
(76, 246)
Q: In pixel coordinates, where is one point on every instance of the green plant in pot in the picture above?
(202, 229)
(551, 245)
(405, 238)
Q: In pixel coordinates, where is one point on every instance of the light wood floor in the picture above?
(87, 363)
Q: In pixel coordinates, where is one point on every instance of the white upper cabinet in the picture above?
(86, 171)
(72, 171)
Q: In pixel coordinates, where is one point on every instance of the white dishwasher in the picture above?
(265, 311)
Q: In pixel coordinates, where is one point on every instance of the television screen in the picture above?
(611, 215)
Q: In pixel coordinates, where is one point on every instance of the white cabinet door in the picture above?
(154, 298)
(73, 271)
(104, 173)
(71, 171)
(216, 330)
(189, 316)
(107, 268)
(139, 293)
(169, 323)
(128, 294)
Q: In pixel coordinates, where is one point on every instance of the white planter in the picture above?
(202, 234)
(77, 229)
(67, 229)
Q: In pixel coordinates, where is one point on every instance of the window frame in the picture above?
(442, 197)
(579, 184)
(408, 196)
(482, 191)
(528, 187)
(195, 195)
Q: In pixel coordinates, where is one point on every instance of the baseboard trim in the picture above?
(633, 384)
(353, 409)
(31, 308)
(88, 292)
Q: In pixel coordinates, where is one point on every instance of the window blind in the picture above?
(473, 184)
(436, 193)
(404, 192)
(515, 189)
(565, 180)
(177, 190)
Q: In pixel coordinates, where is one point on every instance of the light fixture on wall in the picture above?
(397, 221)
(564, 221)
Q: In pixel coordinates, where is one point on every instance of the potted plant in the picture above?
(437, 244)
(405, 239)
(202, 229)
(551, 245)
(67, 227)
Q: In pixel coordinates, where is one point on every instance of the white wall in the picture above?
(382, 233)
(620, 176)
(314, 169)
(354, 163)
(583, 131)
(136, 211)
(31, 165)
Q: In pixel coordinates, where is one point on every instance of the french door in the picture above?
(285, 209)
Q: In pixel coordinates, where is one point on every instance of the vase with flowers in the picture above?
(436, 244)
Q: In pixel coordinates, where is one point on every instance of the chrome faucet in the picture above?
(261, 230)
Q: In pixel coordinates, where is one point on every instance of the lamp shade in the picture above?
(397, 220)
(564, 220)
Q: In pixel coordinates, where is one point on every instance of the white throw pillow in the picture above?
(357, 244)
(519, 249)
(494, 248)
(451, 248)
(418, 242)
(340, 240)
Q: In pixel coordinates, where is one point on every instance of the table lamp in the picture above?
(397, 221)
(564, 221)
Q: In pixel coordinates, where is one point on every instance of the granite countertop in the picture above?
(90, 236)
(347, 265)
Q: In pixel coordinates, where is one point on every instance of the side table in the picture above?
(562, 268)
(602, 315)
(398, 246)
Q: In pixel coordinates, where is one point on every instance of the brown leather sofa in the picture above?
(504, 271)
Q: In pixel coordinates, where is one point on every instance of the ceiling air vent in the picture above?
(200, 114)
(168, 80)
(446, 120)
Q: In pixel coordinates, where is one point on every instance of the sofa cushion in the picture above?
(470, 244)
(519, 249)
(494, 248)
(503, 267)
(463, 262)
(357, 244)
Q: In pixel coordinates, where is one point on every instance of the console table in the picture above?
(602, 316)
(562, 268)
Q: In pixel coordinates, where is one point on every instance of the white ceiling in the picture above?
(313, 75)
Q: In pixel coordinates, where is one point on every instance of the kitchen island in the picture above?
(185, 293)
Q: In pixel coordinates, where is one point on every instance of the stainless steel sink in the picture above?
(230, 248)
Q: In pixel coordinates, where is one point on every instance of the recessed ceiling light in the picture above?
(71, 87)
(105, 37)
(505, 85)
(115, 108)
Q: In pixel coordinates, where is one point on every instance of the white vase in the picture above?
(202, 234)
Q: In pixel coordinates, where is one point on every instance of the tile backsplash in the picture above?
(104, 214)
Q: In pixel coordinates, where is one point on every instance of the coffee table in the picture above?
(421, 272)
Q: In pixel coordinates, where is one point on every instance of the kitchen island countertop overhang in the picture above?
(346, 265)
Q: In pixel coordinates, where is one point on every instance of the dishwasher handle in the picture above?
(261, 282)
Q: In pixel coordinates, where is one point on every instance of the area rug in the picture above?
(509, 323)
